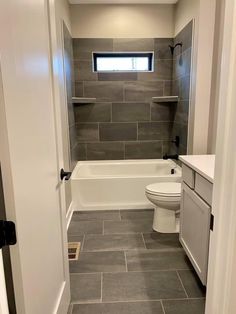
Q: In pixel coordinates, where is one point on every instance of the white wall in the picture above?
(124, 21)
(185, 11)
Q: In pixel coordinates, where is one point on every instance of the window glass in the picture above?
(123, 62)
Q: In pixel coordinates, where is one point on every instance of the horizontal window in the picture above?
(123, 62)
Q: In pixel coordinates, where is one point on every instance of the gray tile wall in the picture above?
(124, 123)
(70, 90)
(181, 86)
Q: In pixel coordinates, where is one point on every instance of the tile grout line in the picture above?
(144, 241)
(82, 245)
(131, 271)
(136, 301)
(126, 264)
(182, 284)
(162, 306)
(101, 285)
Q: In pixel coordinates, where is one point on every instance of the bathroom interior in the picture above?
(139, 180)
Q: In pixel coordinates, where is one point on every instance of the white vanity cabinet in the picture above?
(195, 219)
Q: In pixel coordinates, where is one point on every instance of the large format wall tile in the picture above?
(184, 37)
(154, 130)
(105, 151)
(162, 112)
(83, 47)
(124, 123)
(126, 112)
(87, 132)
(143, 90)
(104, 91)
(162, 49)
(118, 131)
(79, 89)
(133, 44)
(143, 150)
(99, 112)
(162, 71)
(79, 152)
(182, 64)
(84, 71)
(126, 76)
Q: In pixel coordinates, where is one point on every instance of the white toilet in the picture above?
(166, 198)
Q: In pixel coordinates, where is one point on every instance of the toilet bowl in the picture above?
(166, 198)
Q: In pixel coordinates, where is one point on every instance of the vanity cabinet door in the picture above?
(195, 217)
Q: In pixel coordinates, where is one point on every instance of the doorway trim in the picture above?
(222, 255)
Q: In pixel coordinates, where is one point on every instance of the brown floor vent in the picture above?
(73, 251)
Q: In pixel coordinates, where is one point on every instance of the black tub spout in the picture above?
(176, 157)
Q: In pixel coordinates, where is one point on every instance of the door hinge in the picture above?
(212, 223)
(7, 233)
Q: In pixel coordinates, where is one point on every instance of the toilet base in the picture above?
(165, 221)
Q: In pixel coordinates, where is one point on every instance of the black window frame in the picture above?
(149, 55)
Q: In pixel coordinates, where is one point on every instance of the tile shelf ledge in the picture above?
(83, 100)
(167, 99)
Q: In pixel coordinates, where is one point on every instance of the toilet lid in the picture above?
(165, 189)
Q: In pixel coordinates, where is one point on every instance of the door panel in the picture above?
(29, 156)
(6, 257)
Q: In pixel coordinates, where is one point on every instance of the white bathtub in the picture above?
(99, 185)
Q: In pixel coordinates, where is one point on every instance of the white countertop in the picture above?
(202, 164)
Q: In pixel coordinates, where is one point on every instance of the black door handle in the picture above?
(7, 233)
(65, 175)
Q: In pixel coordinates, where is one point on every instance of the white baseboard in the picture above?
(69, 214)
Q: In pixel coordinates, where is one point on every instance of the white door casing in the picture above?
(30, 156)
(222, 258)
(3, 294)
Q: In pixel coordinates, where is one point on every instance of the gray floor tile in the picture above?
(85, 227)
(128, 226)
(184, 306)
(162, 241)
(85, 287)
(70, 309)
(151, 260)
(192, 284)
(137, 214)
(119, 308)
(95, 262)
(97, 215)
(75, 238)
(115, 242)
(143, 286)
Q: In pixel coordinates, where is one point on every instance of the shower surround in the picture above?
(124, 123)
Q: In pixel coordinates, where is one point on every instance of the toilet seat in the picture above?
(165, 190)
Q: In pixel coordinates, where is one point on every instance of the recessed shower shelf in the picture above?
(83, 100)
(165, 99)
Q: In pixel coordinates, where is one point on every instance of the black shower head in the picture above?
(172, 48)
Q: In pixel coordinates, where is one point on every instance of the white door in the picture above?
(29, 156)
(3, 294)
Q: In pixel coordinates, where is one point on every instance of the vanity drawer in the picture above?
(204, 188)
(188, 176)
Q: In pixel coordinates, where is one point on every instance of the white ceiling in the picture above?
(123, 1)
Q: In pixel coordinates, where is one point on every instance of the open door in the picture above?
(31, 161)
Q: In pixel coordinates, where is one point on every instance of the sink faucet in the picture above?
(176, 157)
